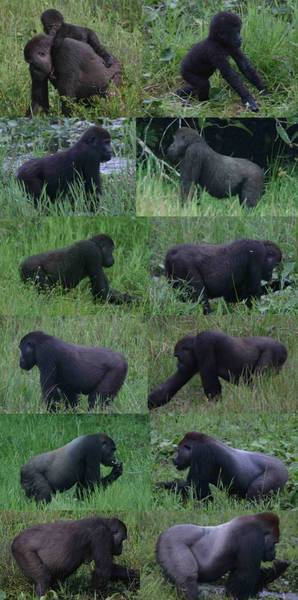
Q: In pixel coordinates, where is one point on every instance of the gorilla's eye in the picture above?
(187, 447)
(41, 53)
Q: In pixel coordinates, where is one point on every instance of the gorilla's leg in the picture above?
(38, 487)
(108, 387)
(200, 86)
(71, 399)
(34, 569)
(250, 193)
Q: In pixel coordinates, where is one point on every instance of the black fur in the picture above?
(204, 58)
(49, 553)
(67, 370)
(214, 354)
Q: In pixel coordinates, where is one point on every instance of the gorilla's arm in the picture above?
(92, 476)
(248, 69)
(209, 377)
(39, 95)
(102, 556)
(190, 170)
(235, 82)
(243, 580)
(164, 392)
(179, 486)
(125, 574)
(270, 574)
(48, 381)
(99, 282)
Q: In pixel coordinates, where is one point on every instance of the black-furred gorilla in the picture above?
(49, 553)
(190, 554)
(68, 266)
(74, 69)
(221, 176)
(54, 24)
(67, 370)
(57, 171)
(204, 58)
(76, 463)
(214, 354)
(234, 271)
(251, 475)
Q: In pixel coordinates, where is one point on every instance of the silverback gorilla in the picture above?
(54, 24)
(76, 463)
(190, 554)
(204, 58)
(58, 171)
(67, 370)
(49, 553)
(68, 266)
(74, 69)
(214, 354)
(234, 271)
(251, 475)
(221, 176)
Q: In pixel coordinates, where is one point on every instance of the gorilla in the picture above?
(204, 58)
(234, 271)
(76, 463)
(74, 70)
(49, 553)
(251, 475)
(67, 370)
(214, 354)
(189, 554)
(56, 172)
(221, 176)
(68, 266)
(54, 24)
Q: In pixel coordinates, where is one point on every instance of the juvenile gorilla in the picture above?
(67, 370)
(189, 554)
(204, 58)
(68, 266)
(234, 271)
(222, 176)
(76, 463)
(73, 68)
(54, 24)
(58, 171)
(251, 475)
(214, 354)
(49, 553)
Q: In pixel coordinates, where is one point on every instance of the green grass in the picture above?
(25, 436)
(270, 392)
(166, 232)
(153, 582)
(271, 433)
(22, 238)
(159, 195)
(118, 28)
(20, 390)
(22, 139)
(77, 586)
(269, 38)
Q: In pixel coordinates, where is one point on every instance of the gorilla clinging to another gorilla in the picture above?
(49, 553)
(73, 68)
(234, 271)
(214, 354)
(76, 463)
(204, 58)
(57, 171)
(67, 370)
(221, 176)
(68, 266)
(54, 25)
(190, 554)
(245, 474)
